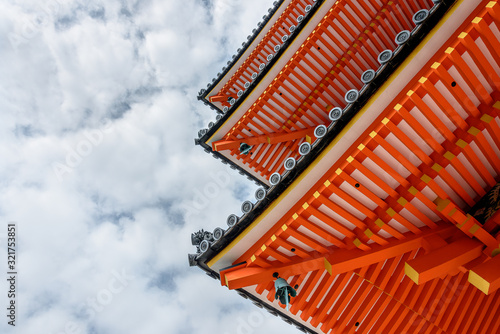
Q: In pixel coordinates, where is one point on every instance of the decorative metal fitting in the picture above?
(335, 114)
(367, 76)
(232, 220)
(260, 194)
(275, 179)
(420, 16)
(320, 131)
(304, 148)
(218, 233)
(246, 207)
(384, 56)
(290, 163)
(351, 96)
(402, 37)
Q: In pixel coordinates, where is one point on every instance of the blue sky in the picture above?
(99, 169)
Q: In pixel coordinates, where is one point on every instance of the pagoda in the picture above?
(373, 130)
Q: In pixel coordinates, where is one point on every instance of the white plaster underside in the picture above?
(286, 202)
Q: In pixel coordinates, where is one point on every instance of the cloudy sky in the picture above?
(98, 166)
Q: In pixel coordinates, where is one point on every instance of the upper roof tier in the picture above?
(295, 71)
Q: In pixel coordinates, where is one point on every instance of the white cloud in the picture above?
(99, 167)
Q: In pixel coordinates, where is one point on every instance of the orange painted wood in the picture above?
(443, 260)
(486, 276)
(269, 138)
(250, 276)
(330, 298)
(344, 260)
(343, 301)
(300, 300)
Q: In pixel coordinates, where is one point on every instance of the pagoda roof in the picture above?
(276, 124)
(335, 131)
(401, 169)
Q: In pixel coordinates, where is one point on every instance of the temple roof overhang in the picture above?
(405, 173)
(325, 57)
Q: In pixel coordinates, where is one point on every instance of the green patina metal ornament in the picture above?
(283, 292)
(245, 148)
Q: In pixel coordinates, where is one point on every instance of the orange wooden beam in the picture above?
(219, 98)
(270, 138)
(248, 276)
(344, 260)
(466, 223)
(443, 260)
(486, 276)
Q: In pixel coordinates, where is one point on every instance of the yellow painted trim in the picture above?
(411, 273)
(496, 105)
(474, 228)
(448, 155)
(486, 118)
(426, 178)
(253, 258)
(479, 282)
(295, 216)
(491, 4)
(461, 143)
(477, 20)
(474, 131)
(328, 266)
(412, 190)
(391, 212)
(437, 167)
(327, 183)
(495, 252)
(452, 212)
(273, 237)
(316, 194)
(368, 233)
(402, 201)
(335, 141)
(435, 65)
(441, 203)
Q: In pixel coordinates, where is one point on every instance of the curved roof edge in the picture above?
(276, 191)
